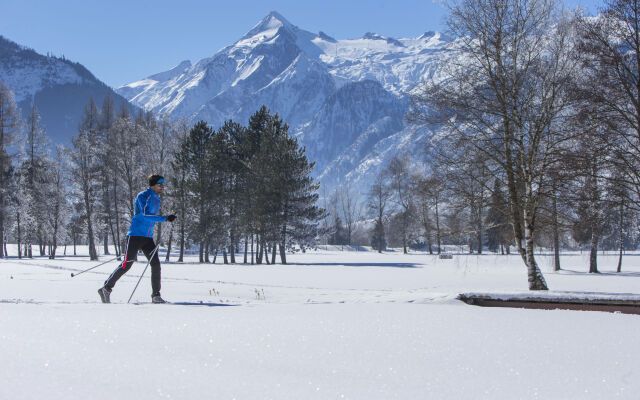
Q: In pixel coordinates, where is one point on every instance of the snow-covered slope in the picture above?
(398, 64)
(342, 98)
(26, 72)
(60, 88)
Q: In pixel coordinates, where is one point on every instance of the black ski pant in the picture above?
(134, 244)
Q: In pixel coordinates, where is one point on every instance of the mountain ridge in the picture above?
(60, 88)
(320, 85)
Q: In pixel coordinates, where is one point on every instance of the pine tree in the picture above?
(259, 199)
(219, 199)
(236, 182)
(179, 190)
(291, 192)
(253, 182)
(194, 151)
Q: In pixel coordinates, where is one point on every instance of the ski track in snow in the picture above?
(377, 295)
(333, 325)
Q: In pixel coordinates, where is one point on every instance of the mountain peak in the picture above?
(372, 36)
(427, 35)
(389, 40)
(435, 35)
(272, 21)
(326, 37)
(277, 16)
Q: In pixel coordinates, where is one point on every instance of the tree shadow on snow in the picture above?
(191, 303)
(377, 265)
(583, 271)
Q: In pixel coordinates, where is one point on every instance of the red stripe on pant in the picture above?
(124, 264)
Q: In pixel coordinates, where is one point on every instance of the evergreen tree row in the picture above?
(246, 185)
(236, 189)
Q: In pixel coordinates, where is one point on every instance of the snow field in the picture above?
(335, 325)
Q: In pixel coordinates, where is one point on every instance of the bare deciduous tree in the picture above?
(85, 169)
(430, 191)
(351, 210)
(610, 54)
(378, 200)
(503, 94)
(9, 130)
(400, 185)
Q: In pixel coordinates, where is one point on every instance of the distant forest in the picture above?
(239, 187)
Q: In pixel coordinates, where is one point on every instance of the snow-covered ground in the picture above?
(331, 325)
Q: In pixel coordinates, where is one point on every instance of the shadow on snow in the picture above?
(188, 303)
(377, 265)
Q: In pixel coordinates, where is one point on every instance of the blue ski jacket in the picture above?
(146, 214)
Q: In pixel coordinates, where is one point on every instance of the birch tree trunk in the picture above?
(438, 229)
(535, 278)
(556, 234)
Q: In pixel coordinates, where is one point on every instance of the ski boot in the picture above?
(104, 294)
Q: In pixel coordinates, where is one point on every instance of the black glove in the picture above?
(171, 217)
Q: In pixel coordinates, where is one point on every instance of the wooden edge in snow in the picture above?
(587, 303)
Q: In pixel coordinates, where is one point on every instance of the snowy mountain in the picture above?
(60, 88)
(344, 99)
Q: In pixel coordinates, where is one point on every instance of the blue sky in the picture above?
(121, 41)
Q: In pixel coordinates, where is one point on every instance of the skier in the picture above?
(140, 237)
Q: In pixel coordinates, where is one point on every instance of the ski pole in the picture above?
(89, 269)
(153, 253)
